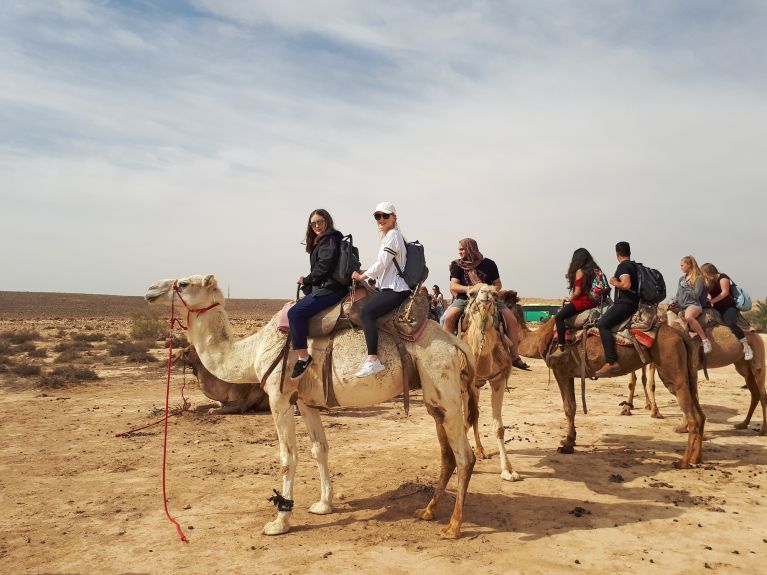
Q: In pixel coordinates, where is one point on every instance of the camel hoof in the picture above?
(741, 426)
(451, 531)
(656, 415)
(321, 508)
(681, 465)
(680, 429)
(626, 410)
(424, 514)
(565, 449)
(276, 527)
(510, 476)
(480, 454)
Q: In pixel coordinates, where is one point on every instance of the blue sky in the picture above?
(147, 140)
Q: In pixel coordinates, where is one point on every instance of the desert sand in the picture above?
(78, 499)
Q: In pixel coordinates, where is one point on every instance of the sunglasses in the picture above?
(381, 216)
(317, 223)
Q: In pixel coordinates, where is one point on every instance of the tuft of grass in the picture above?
(67, 356)
(38, 352)
(5, 348)
(27, 346)
(67, 374)
(96, 336)
(147, 324)
(27, 369)
(73, 346)
(134, 351)
(21, 336)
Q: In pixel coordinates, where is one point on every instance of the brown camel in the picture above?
(672, 354)
(727, 350)
(234, 398)
(493, 365)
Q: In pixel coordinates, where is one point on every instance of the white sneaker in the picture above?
(370, 368)
(706, 346)
(748, 353)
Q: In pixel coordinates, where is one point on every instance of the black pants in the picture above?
(567, 311)
(730, 317)
(378, 305)
(618, 313)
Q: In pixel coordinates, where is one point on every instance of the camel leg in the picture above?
(447, 465)
(567, 390)
(284, 421)
(227, 408)
(629, 403)
(478, 450)
(320, 454)
(498, 387)
(756, 387)
(686, 396)
(650, 402)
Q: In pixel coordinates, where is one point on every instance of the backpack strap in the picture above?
(400, 273)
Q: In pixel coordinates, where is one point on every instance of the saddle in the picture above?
(642, 326)
(710, 318)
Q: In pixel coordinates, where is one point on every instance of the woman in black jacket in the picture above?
(322, 291)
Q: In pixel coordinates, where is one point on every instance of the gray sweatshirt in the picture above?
(687, 295)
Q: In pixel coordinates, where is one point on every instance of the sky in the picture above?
(146, 140)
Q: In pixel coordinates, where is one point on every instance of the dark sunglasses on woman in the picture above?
(380, 216)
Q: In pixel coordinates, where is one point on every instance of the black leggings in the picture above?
(730, 317)
(379, 304)
(567, 311)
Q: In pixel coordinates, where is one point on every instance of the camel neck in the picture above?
(228, 358)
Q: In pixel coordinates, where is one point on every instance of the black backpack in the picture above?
(652, 286)
(348, 261)
(415, 270)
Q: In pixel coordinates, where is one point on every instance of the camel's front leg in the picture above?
(282, 412)
(567, 390)
(464, 459)
(744, 368)
(447, 464)
(320, 453)
(498, 387)
(629, 403)
(478, 449)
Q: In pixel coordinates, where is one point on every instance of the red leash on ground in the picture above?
(185, 407)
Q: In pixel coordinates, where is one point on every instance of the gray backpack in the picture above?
(415, 271)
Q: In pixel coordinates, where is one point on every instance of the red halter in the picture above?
(189, 310)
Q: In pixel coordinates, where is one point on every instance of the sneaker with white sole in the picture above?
(370, 368)
(748, 353)
(706, 346)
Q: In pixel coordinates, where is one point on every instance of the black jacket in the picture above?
(322, 261)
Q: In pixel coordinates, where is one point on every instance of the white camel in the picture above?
(444, 365)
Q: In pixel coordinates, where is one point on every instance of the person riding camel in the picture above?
(322, 291)
(473, 268)
(720, 296)
(689, 295)
(626, 302)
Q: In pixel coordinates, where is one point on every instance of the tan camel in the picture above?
(232, 397)
(672, 354)
(493, 365)
(727, 350)
(445, 367)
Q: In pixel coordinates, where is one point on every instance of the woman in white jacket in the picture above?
(392, 289)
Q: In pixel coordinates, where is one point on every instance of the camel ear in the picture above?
(210, 281)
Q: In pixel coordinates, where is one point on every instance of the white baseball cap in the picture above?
(385, 208)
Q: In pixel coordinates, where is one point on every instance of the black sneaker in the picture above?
(300, 368)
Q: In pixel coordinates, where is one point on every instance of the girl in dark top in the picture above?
(580, 275)
(720, 295)
(322, 291)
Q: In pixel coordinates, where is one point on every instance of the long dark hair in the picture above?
(582, 260)
(311, 236)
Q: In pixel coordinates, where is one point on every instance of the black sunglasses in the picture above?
(381, 216)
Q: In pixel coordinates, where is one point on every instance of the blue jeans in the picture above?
(300, 314)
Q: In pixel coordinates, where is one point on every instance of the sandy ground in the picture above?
(77, 499)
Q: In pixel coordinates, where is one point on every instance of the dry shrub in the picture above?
(147, 324)
(38, 352)
(67, 356)
(97, 336)
(73, 346)
(6, 363)
(134, 351)
(5, 348)
(66, 374)
(27, 369)
(21, 336)
(27, 346)
(179, 341)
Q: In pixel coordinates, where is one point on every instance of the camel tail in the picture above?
(468, 374)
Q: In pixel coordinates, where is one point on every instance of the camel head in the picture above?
(187, 357)
(197, 291)
(481, 299)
